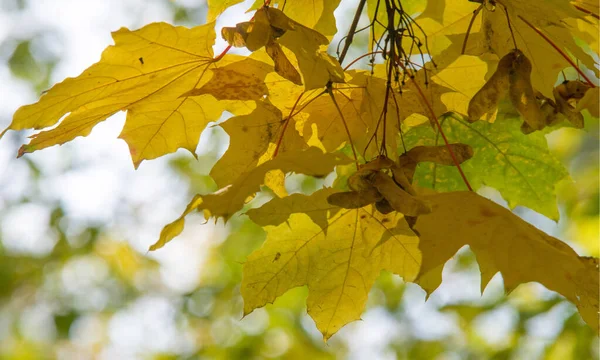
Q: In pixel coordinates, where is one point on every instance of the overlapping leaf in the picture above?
(338, 260)
(503, 242)
(217, 7)
(251, 137)
(446, 23)
(519, 166)
(145, 72)
(229, 200)
(271, 28)
(314, 14)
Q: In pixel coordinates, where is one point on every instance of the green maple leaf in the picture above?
(519, 166)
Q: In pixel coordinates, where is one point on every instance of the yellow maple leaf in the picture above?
(314, 14)
(250, 137)
(271, 27)
(229, 200)
(145, 72)
(503, 242)
(446, 23)
(217, 7)
(330, 123)
(339, 262)
(236, 78)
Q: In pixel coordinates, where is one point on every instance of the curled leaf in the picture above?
(590, 102)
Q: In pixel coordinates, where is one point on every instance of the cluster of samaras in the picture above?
(388, 184)
(513, 78)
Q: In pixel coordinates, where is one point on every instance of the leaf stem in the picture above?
(222, 54)
(353, 26)
(362, 56)
(562, 53)
(475, 12)
(437, 123)
(285, 125)
(512, 34)
(330, 92)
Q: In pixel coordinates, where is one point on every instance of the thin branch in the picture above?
(512, 34)
(360, 57)
(350, 37)
(345, 126)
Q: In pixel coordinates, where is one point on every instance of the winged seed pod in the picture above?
(354, 199)
(568, 92)
(521, 92)
(487, 98)
(567, 96)
(436, 154)
(399, 199)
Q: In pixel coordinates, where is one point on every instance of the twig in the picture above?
(360, 57)
(350, 36)
(512, 34)
(430, 108)
(330, 92)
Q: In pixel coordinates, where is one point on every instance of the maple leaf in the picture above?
(338, 260)
(252, 138)
(446, 23)
(272, 27)
(315, 14)
(519, 166)
(217, 7)
(356, 112)
(460, 92)
(590, 102)
(145, 72)
(236, 79)
(503, 242)
(229, 200)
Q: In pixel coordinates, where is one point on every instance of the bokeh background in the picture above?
(76, 281)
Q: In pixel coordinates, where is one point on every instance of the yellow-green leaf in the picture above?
(243, 79)
(229, 200)
(503, 242)
(519, 166)
(252, 136)
(339, 262)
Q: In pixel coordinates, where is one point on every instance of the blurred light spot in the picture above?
(25, 230)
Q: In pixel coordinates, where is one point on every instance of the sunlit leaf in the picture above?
(503, 242)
